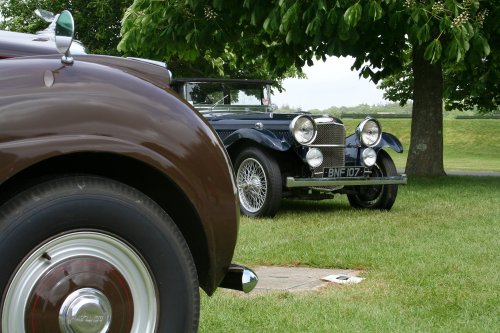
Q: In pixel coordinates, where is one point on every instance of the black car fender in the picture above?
(389, 140)
(263, 137)
(386, 141)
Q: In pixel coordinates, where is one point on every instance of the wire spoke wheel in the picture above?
(259, 182)
(252, 185)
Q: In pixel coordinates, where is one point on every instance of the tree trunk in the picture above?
(425, 157)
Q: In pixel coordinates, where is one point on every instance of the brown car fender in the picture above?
(48, 109)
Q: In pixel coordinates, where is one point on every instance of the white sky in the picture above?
(329, 83)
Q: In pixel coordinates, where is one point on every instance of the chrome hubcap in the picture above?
(86, 310)
(252, 185)
(81, 282)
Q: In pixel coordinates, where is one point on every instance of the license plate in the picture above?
(343, 172)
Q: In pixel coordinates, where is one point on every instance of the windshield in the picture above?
(225, 94)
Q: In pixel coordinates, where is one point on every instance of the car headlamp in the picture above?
(369, 132)
(314, 157)
(369, 156)
(303, 129)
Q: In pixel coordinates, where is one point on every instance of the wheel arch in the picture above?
(288, 160)
(244, 143)
(136, 174)
(262, 138)
(387, 140)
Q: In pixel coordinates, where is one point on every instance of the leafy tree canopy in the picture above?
(382, 35)
(194, 39)
(473, 83)
(97, 21)
(293, 32)
(98, 24)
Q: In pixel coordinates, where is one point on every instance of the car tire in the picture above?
(88, 254)
(377, 196)
(258, 177)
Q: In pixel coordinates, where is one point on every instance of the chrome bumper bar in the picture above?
(315, 182)
(239, 278)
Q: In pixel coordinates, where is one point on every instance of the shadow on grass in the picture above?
(453, 181)
(462, 185)
(294, 205)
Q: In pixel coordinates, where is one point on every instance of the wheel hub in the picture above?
(252, 185)
(81, 282)
(86, 310)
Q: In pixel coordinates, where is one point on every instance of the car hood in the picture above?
(154, 72)
(260, 120)
(251, 116)
(17, 44)
(261, 116)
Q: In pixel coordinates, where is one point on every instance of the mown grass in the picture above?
(469, 145)
(431, 264)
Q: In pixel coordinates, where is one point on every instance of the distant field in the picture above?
(469, 144)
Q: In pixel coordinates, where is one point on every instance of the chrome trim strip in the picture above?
(315, 182)
(330, 146)
(149, 61)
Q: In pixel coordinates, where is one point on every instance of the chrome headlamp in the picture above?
(314, 157)
(369, 132)
(303, 129)
(369, 157)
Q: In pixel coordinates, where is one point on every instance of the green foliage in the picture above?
(277, 35)
(472, 74)
(353, 14)
(473, 82)
(476, 80)
(399, 86)
(433, 51)
(195, 37)
(97, 21)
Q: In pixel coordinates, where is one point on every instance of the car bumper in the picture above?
(239, 278)
(292, 182)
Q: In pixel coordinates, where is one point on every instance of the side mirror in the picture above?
(65, 29)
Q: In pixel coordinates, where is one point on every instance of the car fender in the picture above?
(49, 109)
(387, 140)
(263, 137)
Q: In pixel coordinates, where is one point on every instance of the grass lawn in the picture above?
(469, 145)
(431, 264)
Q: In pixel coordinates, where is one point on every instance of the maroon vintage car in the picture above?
(117, 199)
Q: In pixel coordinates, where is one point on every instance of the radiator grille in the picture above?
(224, 134)
(330, 134)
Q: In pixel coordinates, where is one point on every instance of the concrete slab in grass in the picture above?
(272, 278)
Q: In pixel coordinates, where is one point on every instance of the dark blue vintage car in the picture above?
(298, 155)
